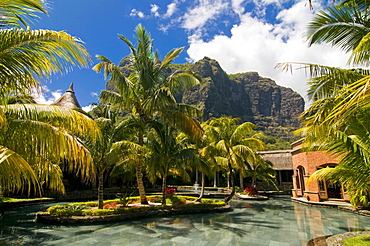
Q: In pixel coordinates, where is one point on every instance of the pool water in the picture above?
(275, 222)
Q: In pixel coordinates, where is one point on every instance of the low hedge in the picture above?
(83, 208)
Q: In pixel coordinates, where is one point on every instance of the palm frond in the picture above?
(170, 56)
(68, 119)
(15, 13)
(26, 53)
(340, 25)
(15, 173)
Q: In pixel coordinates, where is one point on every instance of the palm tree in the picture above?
(35, 138)
(26, 55)
(262, 170)
(38, 141)
(148, 92)
(106, 151)
(207, 163)
(345, 25)
(234, 146)
(337, 120)
(168, 155)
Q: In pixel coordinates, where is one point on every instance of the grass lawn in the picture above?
(363, 240)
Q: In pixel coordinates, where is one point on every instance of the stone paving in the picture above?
(275, 222)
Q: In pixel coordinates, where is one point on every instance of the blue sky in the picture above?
(243, 35)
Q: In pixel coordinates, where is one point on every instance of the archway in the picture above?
(300, 172)
(327, 189)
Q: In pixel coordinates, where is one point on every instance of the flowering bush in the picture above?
(111, 205)
(251, 191)
(170, 192)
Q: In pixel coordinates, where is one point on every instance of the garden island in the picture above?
(161, 144)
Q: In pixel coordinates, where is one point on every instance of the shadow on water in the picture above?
(277, 219)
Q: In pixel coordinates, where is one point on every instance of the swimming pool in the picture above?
(275, 222)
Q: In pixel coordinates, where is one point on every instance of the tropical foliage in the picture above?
(148, 92)
(234, 146)
(337, 119)
(37, 142)
(169, 155)
(109, 151)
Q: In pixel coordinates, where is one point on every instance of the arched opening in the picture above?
(300, 172)
(327, 189)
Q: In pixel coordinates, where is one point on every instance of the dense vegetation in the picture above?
(140, 125)
(336, 121)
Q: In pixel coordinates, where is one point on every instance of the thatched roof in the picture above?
(68, 99)
(282, 159)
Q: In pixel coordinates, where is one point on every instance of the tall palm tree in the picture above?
(234, 146)
(149, 92)
(168, 155)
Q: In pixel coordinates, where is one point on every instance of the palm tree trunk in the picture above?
(164, 184)
(228, 180)
(140, 183)
(241, 180)
(202, 188)
(232, 182)
(139, 174)
(101, 190)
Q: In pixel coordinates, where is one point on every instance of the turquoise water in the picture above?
(275, 222)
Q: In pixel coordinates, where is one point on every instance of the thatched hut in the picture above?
(68, 99)
(283, 165)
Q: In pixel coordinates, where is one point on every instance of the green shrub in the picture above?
(98, 212)
(82, 209)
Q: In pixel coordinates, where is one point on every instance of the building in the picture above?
(68, 99)
(283, 165)
(306, 163)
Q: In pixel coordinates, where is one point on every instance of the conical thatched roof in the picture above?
(68, 99)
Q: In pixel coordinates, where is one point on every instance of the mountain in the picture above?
(248, 96)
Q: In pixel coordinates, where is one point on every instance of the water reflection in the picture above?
(275, 221)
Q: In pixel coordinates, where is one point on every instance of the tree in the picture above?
(34, 138)
(336, 121)
(345, 25)
(149, 92)
(168, 155)
(262, 170)
(234, 146)
(107, 151)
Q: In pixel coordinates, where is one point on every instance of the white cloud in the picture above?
(154, 10)
(88, 108)
(135, 12)
(207, 10)
(237, 6)
(171, 9)
(46, 96)
(255, 45)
